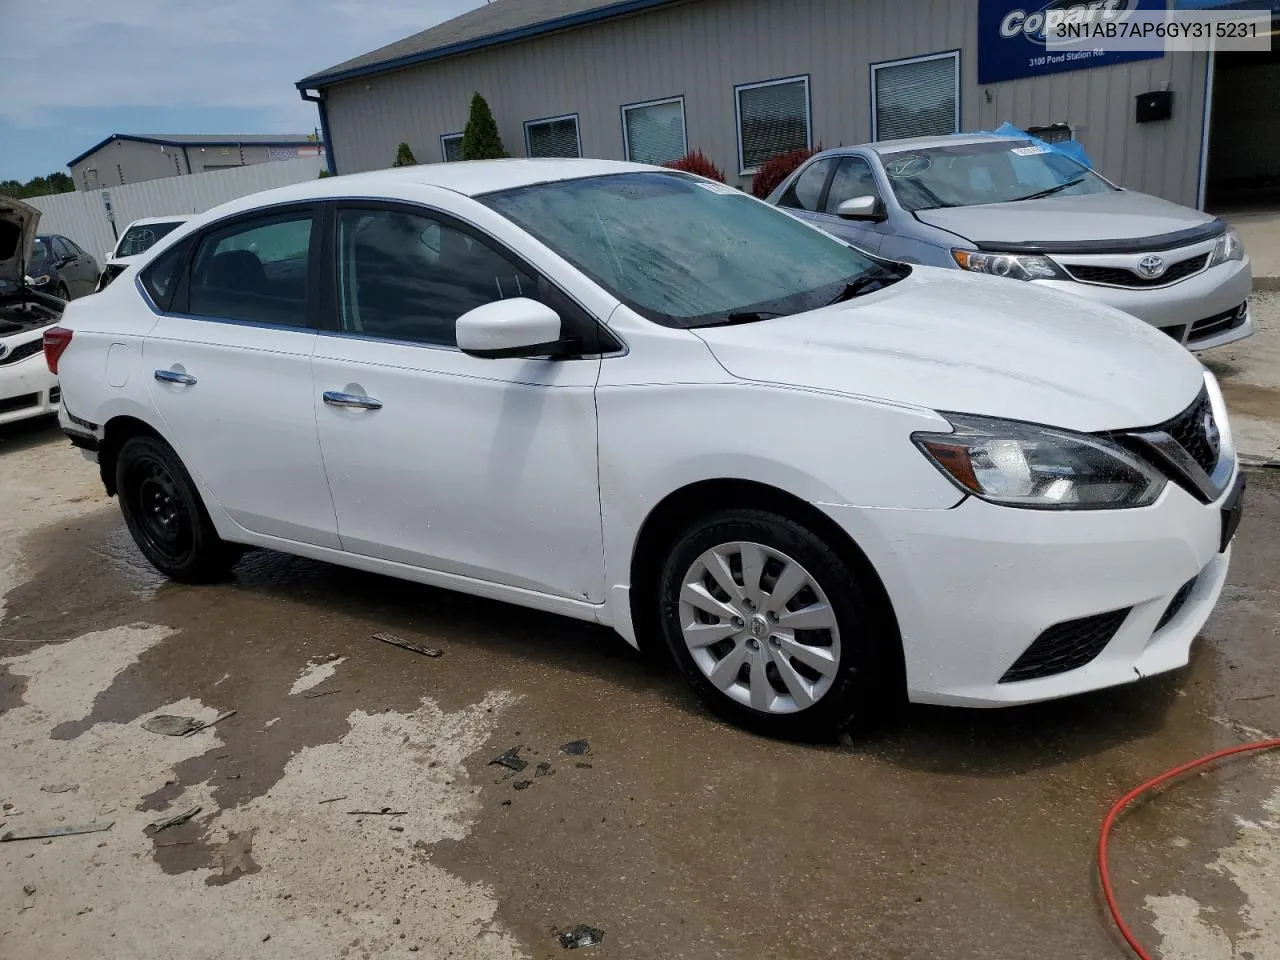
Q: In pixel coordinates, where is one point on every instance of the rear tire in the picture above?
(166, 516)
(773, 629)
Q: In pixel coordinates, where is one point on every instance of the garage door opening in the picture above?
(1243, 169)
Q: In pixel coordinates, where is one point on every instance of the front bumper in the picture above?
(27, 389)
(1181, 309)
(974, 586)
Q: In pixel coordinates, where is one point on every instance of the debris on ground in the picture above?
(406, 645)
(576, 748)
(29, 889)
(152, 829)
(60, 787)
(511, 760)
(544, 769)
(580, 936)
(333, 799)
(582, 766)
(523, 784)
(319, 693)
(171, 726)
(38, 833)
(384, 812)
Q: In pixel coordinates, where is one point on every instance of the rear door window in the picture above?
(254, 271)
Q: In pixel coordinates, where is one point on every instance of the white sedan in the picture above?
(636, 397)
(138, 237)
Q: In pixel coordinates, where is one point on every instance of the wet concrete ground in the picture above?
(948, 834)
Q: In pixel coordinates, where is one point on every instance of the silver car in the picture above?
(1014, 208)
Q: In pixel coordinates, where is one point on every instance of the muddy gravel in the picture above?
(349, 808)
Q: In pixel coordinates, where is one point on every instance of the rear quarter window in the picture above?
(160, 277)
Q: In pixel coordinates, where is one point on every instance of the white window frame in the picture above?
(444, 157)
(743, 169)
(663, 101)
(953, 54)
(577, 129)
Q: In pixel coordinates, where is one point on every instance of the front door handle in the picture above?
(336, 398)
(173, 376)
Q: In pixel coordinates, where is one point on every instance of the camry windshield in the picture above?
(991, 171)
(141, 238)
(687, 252)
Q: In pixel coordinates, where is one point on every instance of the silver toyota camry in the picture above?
(1015, 208)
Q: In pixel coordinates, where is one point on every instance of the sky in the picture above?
(76, 71)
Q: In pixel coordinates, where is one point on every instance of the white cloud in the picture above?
(232, 53)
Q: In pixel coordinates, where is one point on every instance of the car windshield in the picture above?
(990, 171)
(686, 252)
(141, 238)
(39, 251)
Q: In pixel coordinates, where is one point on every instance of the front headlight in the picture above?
(1227, 248)
(1014, 265)
(39, 281)
(1024, 465)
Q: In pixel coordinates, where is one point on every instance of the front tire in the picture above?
(772, 628)
(166, 516)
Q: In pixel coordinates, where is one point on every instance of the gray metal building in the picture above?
(745, 79)
(127, 158)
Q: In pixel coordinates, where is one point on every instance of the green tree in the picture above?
(11, 188)
(404, 156)
(480, 139)
(37, 186)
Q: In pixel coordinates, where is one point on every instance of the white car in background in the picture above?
(636, 397)
(27, 387)
(139, 237)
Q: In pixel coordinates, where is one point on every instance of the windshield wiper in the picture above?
(1050, 190)
(868, 282)
(742, 316)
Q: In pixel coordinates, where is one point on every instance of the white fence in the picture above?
(82, 215)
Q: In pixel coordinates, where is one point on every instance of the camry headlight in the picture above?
(39, 281)
(1024, 465)
(1014, 265)
(1227, 248)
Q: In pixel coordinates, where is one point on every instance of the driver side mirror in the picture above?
(108, 255)
(862, 208)
(64, 260)
(518, 327)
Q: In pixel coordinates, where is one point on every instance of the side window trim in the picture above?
(180, 303)
(604, 341)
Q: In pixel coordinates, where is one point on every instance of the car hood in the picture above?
(18, 223)
(1051, 221)
(945, 340)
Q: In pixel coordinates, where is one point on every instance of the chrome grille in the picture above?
(22, 351)
(1123, 277)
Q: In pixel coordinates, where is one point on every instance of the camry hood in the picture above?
(1109, 218)
(18, 223)
(946, 340)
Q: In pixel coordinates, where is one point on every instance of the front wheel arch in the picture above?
(679, 509)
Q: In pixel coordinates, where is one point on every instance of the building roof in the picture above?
(502, 21)
(206, 140)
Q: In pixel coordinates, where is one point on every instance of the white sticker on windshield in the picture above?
(720, 188)
(1030, 151)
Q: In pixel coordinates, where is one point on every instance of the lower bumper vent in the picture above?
(1066, 646)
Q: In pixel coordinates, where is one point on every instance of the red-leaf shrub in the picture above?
(776, 169)
(698, 163)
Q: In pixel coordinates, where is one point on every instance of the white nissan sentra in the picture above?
(636, 397)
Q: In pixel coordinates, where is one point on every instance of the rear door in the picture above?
(230, 373)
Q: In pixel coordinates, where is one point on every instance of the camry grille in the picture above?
(21, 352)
(1123, 277)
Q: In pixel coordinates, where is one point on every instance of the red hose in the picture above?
(1104, 871)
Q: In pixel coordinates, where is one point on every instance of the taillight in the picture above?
(56, 341)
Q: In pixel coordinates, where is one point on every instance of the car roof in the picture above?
(467, 177)
(884, 147)
(176, 218)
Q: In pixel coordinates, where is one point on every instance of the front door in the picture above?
(230, 373)
(852, 178)
(480, 468)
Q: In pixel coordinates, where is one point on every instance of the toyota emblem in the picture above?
(1151, 266)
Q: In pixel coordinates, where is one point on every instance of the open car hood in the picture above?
(18, 223)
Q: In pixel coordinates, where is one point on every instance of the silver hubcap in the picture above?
(759, 627)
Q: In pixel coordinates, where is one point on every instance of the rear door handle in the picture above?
(336, 398)
(173, 376)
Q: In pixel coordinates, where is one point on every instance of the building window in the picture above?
(451, 147)
(919, 97)
(553, 137)
(773, 118)
(653, 132)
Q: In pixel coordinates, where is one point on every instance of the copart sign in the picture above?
(1011, 36)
